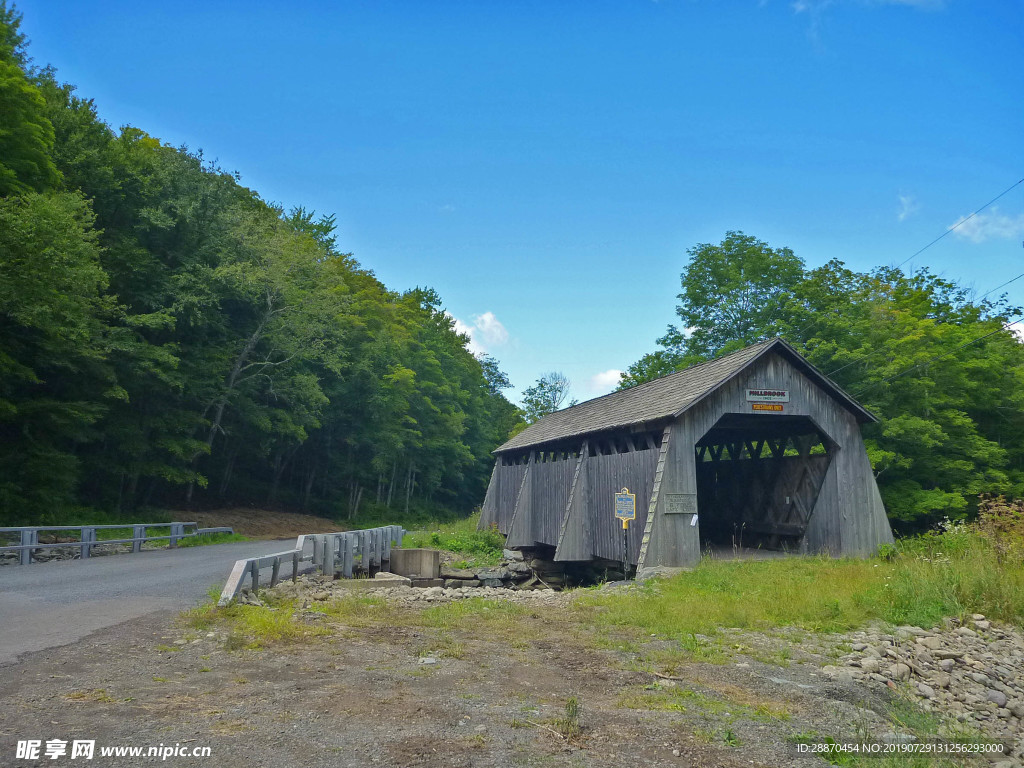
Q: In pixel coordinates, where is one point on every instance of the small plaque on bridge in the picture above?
(680, 503)
(767, 406)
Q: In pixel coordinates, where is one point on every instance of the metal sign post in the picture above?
(625, 510)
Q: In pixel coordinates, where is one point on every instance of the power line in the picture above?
(1003, 285)
(960, 223)
(1003, 327)
(951, 229)
(883, 349)
(796, 334)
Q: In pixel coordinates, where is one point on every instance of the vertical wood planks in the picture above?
(520, 528)
(607, 474)
(574, 543)
(489, 510)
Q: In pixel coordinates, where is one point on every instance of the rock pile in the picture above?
(414, 596)
(972, 672)
(314, 589)
(508, 574)
(514, 571)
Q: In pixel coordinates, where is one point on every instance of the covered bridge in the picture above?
(754, 449)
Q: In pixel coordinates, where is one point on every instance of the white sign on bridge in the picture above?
(767, 395)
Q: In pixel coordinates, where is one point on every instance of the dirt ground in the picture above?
(403, 685)
(261, 523)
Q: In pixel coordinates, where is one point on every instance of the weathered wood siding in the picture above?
(520, 527)
(576, 539)
(489, 510)
(552, 481)
(666, 533)
(502, 495)
(606, 475)
(671, 539)
(848, 517)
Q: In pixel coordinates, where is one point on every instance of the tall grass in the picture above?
(919, 582)
(952, 573)
(462, 537)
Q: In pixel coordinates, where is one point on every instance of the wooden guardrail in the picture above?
(29, 537)
(331, 553)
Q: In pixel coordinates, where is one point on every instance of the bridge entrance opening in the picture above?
(758, 479)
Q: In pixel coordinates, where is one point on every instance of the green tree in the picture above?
(731, 294)
(545, 396)
(26, 135)
(55, 383)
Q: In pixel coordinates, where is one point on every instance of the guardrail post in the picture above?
(330, 544)
(366, 549)
(177, 532)
(317, 550)
(88, 536)
(351, 543)
(255, 576)
(377, 542)
(138, 536)
(274, 574)
(295, 566)
(28, 537)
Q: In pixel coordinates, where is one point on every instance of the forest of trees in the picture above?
(167, 337)
(939, 366)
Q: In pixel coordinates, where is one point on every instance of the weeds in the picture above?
(211, 538)
(566, 727)
(950, 573)
(569, 725)
(481, 548)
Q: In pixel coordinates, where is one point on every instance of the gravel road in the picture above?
(45, 605)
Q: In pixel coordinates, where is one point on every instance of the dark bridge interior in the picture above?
(758, 478)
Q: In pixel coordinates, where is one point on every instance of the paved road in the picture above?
(44, 605)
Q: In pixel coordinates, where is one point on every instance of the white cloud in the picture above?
(987, 226)
(467, 330)
(485, 332)
(908, 207)
(604, 382)
(1017, 329)
(491, 329)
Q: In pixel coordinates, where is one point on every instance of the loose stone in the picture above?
(996, 697)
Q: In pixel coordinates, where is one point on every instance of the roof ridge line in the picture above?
(669, 375)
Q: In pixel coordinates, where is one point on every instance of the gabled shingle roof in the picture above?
(667, 397)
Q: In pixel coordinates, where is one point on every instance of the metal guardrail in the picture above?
(332, 553)
(87, 537)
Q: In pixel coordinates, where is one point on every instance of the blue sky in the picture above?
(545, 165)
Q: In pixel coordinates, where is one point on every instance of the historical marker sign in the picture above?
(767, 395)
(625, 506)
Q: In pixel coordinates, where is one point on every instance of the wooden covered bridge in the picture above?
(754, 449)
